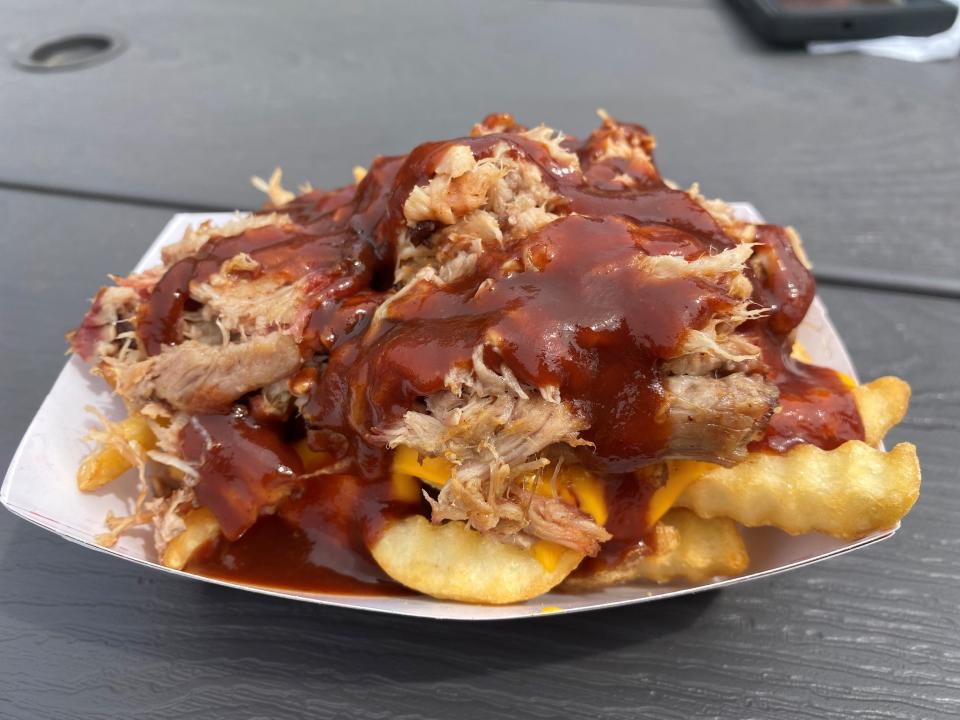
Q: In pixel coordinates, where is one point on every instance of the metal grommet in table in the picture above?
(69, 50)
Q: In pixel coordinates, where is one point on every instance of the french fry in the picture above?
(882, 404)
(453, 562)
(201, 528)
(116, 452)
(847, 492)
(688, 548)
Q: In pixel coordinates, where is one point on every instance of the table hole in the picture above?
(69, 51)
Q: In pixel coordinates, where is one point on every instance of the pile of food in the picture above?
(491, 366)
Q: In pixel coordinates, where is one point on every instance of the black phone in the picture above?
(794, 22)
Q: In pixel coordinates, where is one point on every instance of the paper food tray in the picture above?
(40, 486)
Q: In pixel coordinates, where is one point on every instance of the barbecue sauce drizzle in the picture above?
(582, 317)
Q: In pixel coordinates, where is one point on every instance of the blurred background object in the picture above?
(796, 22)
(940, 46)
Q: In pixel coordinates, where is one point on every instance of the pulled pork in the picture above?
(276, 329)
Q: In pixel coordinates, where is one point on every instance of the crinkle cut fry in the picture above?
(847, 492)
(453, 562)
(688, 544)
(688, 549)
(882, 404)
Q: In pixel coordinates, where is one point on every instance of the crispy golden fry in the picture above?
(201, 528)
(117, 451)
(452, 562)
(847, 492)
(689, 549)
(882, 404)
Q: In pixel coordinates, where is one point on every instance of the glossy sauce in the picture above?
(628, 497)
(816, 405)
(243, 467)
(335, 265)
(314, 542)
(582, 316)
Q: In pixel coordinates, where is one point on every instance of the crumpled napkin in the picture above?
(942, 46)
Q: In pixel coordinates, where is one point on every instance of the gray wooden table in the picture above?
(861, 154)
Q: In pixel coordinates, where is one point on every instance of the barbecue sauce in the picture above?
(243, 466)
(571, 307)
(573, 321)
(816, 405)
(317, 541)
(627, 497)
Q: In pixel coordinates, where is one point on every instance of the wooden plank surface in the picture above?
(85, 636)
(860, 153)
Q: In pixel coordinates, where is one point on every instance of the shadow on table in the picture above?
(358, 645)
(72, 595)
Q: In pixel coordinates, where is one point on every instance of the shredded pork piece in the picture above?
(709, 267)
(491, 203)
(168, 522)
(193, 240)
(98, 336)
(141, 282)
(713, 419)
(741, 230)
(617, 145)
(198, 378)
(564, 524)
(255, 306)
(553, 141)
(489, 426)
(705, 354)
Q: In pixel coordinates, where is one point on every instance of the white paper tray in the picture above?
(40, 487)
